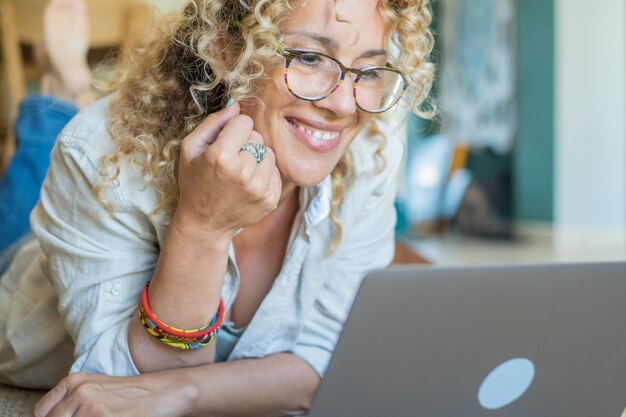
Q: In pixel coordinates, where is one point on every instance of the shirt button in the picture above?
(116, 290)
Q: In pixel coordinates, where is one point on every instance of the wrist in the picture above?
(179, 394)
(189, 228)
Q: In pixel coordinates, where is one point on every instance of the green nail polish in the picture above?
(230, 101)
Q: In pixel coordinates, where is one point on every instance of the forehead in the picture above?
(349, 25)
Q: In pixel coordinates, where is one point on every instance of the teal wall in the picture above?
(531, 163)
(533, 157)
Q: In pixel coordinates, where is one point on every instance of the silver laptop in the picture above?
(512, 341)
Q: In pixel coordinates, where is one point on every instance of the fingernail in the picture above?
(230, 101)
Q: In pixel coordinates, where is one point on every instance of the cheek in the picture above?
(270, 87)
(365, 118)
(362, 121)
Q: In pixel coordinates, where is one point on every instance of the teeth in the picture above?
(317, 134)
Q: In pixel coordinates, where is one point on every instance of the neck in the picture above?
(287, 191)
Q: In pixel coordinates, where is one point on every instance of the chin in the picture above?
(309, 168)
(302, 177)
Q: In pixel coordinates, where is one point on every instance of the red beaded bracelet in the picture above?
(196, 333)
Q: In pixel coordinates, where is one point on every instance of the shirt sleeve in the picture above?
(367, 245)
(96, 262)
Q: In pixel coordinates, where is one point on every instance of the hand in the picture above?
(221, 188)
(81, 394)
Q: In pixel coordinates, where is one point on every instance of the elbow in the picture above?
(303, 402)
(299, 412)
(300, 408)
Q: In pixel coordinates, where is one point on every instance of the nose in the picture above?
(341, 101)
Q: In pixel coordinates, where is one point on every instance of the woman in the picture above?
(267, 211)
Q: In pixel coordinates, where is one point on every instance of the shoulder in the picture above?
(85, 141)
(88, 130)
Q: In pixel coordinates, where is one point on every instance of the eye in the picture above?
(372, 76)
(309, 60)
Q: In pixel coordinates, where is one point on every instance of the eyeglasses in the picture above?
(313, 76)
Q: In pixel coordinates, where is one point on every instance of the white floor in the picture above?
(533, 245)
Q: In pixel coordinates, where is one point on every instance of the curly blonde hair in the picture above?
(167, 87)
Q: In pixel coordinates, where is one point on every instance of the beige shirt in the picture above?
(69, 296)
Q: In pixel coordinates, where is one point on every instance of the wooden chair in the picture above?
(13, 81)
(114, 24)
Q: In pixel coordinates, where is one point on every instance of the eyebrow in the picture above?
(331, 44)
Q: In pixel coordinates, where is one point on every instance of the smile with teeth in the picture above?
(317, 134)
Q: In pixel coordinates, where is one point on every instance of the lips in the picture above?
(317, 136)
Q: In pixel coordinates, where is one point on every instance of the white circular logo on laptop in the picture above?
(506, 383)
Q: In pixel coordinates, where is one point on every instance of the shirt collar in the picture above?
(319, 198)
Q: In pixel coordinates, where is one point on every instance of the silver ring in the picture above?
(256, 149)
(261, 150)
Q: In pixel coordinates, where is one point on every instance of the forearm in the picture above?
(273, 386)
(184, 292)
(276, 385)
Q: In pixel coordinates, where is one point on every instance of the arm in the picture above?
(276, 385)
(98, 263)
(191, 269)
(221, 191)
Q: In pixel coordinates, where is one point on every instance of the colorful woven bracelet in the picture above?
(176, 343)
(154, 330)
(173, 332)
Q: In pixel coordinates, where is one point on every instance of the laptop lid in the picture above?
(510, 341)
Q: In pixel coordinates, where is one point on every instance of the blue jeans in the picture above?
(39, 122)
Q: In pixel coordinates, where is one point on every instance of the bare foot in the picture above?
(66, 43)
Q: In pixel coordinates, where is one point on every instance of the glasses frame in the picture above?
(290, 53)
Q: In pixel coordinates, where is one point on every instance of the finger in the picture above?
(207, 131)
(51, 399)
(234, 135)
(270, 176)
(266, 170)
(65, 408)
(84, 390)
(276, 185)
(254, 136)
(267, 166)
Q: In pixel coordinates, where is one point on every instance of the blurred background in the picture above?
(526, 160)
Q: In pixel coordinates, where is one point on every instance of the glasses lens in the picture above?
(378, 89)
(312, 76)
